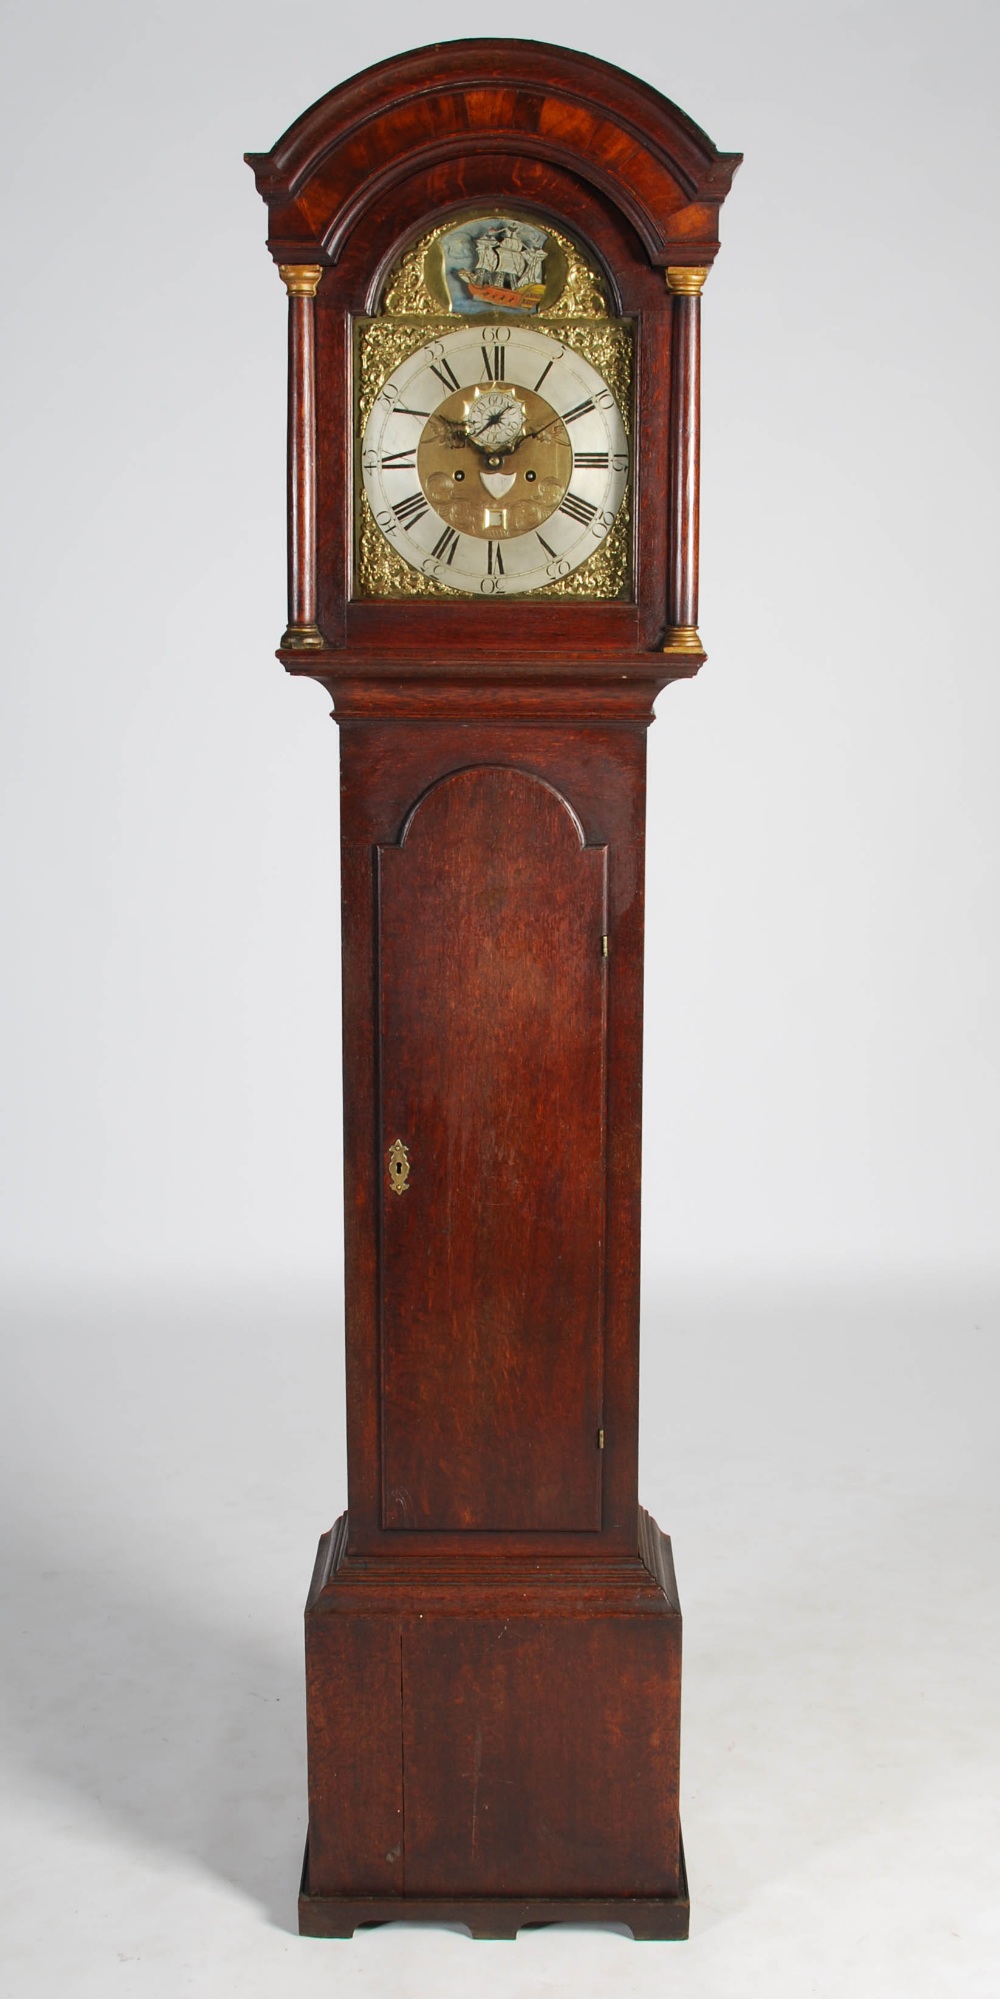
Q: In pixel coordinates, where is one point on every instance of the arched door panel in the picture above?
(491, 918)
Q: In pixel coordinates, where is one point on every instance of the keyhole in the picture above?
(398, 1164)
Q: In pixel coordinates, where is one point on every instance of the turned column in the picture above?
(685, 283)
(301, 282)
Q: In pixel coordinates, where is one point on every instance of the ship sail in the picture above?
(508, 271)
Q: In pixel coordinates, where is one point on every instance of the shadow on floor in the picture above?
(186, 1734)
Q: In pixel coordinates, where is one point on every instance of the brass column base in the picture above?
(683, 638)
(302, 638)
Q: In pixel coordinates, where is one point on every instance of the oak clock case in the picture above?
(494, 254)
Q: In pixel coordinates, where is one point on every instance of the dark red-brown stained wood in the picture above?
(436, 107)
(685, 420)
(392, 153)
(301, 464)
(355, 1755)
(493, 1730)
(386, 766)
(541, 1755)
(493, 1636)
(301, 281)
(492, 981)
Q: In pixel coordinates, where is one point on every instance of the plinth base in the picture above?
(494, 1742)
(651, 1919)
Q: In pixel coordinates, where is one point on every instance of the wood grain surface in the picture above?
(492, 915)
(493, 1632)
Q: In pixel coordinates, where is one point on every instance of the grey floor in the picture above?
(825, 1458)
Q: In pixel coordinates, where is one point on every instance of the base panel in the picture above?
(651, 1919)
(494, 1743)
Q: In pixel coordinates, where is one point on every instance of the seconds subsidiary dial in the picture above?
(495, 459)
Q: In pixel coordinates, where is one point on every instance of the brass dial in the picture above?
(495, 459)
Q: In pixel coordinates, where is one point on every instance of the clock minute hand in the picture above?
(542, 431)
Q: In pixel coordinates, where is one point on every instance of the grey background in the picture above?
(821, 1268)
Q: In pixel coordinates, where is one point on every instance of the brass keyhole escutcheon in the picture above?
(397, 1161)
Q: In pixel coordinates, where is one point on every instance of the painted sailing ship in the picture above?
(508, 271)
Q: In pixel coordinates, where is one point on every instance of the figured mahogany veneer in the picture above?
(493, 1632)
(386, 156)
(436, 106)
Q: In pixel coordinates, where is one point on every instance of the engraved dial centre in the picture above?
(512, 490)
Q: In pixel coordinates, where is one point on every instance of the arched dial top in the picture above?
(495, 459)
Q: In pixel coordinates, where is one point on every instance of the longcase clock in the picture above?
(494, 253)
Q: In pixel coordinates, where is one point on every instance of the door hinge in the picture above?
(604, 947)
(600, 1440)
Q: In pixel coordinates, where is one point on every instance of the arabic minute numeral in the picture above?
(411, 510)
(444, 548)
(577, 509)
(496, 372)
(556, 565)
(579, 409)
(591, 461)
